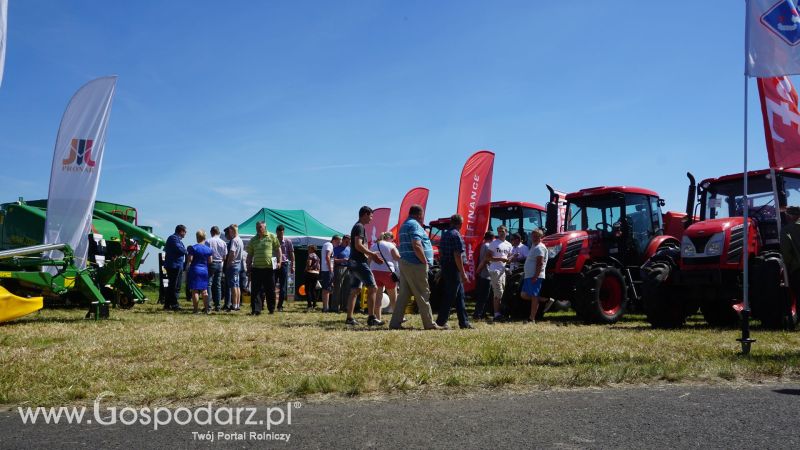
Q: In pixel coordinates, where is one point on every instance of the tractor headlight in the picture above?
(715, 244)
(687, 248)
(552, 252)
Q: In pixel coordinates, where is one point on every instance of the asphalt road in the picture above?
(761, 416)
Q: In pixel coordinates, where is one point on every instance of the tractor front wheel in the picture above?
(605, 296)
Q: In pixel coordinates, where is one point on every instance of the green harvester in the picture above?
(117, 246)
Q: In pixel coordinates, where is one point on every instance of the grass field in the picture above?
(149, 357)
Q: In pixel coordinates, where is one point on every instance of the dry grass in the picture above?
(149, 357)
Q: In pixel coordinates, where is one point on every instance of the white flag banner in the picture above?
(772, 37)
(3, 28)
(77, 160)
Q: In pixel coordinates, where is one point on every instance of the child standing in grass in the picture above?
(312, 275)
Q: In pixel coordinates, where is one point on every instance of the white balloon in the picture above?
(385, 301)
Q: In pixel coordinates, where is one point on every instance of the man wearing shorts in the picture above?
(233, 267)
(326, 271)
(499, 255)
(534, 273)
(359, 267)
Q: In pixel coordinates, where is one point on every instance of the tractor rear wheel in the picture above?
(663, 305)
(719, 312)
(778, 309)
(605, 296)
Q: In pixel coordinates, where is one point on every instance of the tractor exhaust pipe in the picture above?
(552, 212)
(690, 198)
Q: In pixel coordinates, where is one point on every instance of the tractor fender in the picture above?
(659, 242)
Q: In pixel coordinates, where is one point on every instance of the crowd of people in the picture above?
(267, 263)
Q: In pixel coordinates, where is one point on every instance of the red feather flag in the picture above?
(474, 204)
(416, 196)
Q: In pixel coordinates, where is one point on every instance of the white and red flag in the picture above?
(772, 38)
(779, 106)
(3, 28)
(77, 160)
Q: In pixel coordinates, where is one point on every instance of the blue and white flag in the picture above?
(772, 38)
(77, 161)
(3, 28)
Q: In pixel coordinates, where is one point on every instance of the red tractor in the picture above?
(707, 271)
(594, 260)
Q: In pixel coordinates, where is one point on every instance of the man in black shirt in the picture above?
(360, 255)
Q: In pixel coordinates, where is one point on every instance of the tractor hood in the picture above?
(712, 226)
(568, 251)
(562, 238)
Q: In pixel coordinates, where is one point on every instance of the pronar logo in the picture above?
(80, 156)
(783, 20)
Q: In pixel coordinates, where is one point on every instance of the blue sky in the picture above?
(224, 107)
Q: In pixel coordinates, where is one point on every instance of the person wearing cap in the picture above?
(790, 248)
(483, 286)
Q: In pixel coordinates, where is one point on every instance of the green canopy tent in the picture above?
(301, 227)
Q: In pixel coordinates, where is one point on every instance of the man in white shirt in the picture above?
(499, 255)
(219, 251)
(519, 252)
(534, 274)
(326, 270)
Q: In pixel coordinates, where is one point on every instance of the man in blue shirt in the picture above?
(174, 259)
(451, 255)
(416, 255)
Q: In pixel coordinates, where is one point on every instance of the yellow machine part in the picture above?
(13, 307)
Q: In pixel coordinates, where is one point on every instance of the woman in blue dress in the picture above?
(198, 261)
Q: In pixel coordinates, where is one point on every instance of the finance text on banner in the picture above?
(772, 37)
(474, 205)
(77, 161)
(781, 121)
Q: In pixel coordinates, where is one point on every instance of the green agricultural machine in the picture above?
(117, 246)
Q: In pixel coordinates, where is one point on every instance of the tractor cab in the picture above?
(617, 222)
(436, 229)
(721, 211)
(518, 217)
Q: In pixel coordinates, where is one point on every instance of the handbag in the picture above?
(395, 278)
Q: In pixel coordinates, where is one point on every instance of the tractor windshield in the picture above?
(594, 213)
(725, 199)
(518, 219)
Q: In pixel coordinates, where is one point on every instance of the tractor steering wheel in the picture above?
(604, 226)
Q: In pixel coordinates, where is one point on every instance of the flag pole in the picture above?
(745, 340)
